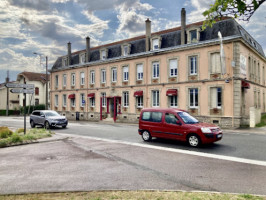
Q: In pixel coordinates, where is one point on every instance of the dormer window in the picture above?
(193, 34)
(155, 44)
(125, 48)
(64, 61)
(103, 54)
(82, 58)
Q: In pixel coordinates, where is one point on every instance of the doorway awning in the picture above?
(91, 95)
(171, 92)
(138, 94)
(71, 96)
(245, 84)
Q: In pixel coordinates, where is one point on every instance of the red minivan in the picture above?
(171, 123)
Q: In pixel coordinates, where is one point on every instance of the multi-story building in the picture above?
(12, 98)
(39, 82)
(180, 67)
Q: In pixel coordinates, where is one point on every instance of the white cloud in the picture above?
(132, 19)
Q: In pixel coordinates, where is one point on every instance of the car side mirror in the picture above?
(42, 116)
(178, 123)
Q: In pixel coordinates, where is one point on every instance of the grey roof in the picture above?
(169, 38)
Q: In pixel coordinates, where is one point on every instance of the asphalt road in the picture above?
(240, 144)
(113, 157)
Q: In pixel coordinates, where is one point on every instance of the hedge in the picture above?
(10, 112)
(32, 108)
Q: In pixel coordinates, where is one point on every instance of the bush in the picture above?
(10, 112)
(263, 121)
(15, 138)
(20, 130)
(5, 132)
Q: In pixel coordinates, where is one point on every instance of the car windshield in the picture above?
(187, 118)
(51, 114)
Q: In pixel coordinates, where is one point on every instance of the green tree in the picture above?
(240, 9)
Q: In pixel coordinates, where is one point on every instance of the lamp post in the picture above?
(46, 78)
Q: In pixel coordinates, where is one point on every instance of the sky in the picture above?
(46, 26)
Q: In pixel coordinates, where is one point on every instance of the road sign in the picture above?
(16, 85)
(25, 91)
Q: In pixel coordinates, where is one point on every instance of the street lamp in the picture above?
(46, 78)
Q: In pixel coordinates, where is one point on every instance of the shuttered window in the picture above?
(215, 63)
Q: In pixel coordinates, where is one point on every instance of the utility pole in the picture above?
(46, 78)
(7, 96)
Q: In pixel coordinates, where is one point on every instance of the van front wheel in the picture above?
(193, 140)
(146, 136)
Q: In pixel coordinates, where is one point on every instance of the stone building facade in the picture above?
(180, 67)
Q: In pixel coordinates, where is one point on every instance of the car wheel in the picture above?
(64, 126)
(193, 140)
(47, 125)
(146, 136)
(32, 124)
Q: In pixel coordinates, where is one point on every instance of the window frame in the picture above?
(156, 70)
(175, 69)
(56, 100)
(103, 75)
(92, 102)
(56, 81)
(126, 99)
(81, 98)
(64, 80)
(139, 102)
(103, 95)
(195, 97)
(82, 79)
(125, 73)
(173, 101)
(155, 98)
(114, 74)
(64, 100)
(73, 79)
(92, 77)
(193, 68)
(139, 74)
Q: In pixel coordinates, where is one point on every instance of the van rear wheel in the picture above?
(193, 140)
(146, 136)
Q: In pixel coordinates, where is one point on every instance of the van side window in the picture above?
(152, 116)
(170, 118)
(156, 116)
(146, 116)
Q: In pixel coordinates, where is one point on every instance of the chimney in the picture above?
(87, 49)
(148, 34)
(183, 26)
(69, 53)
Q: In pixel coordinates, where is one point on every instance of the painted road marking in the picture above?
(194, 153)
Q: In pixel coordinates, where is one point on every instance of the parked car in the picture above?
(47, 119)
(176, 124)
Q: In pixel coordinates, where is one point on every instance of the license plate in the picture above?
(219, 136)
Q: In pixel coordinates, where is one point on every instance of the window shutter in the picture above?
(173, 64)
(213, 97)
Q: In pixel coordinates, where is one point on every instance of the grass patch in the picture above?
(9, 138)
(262, 121)
(126, 195)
